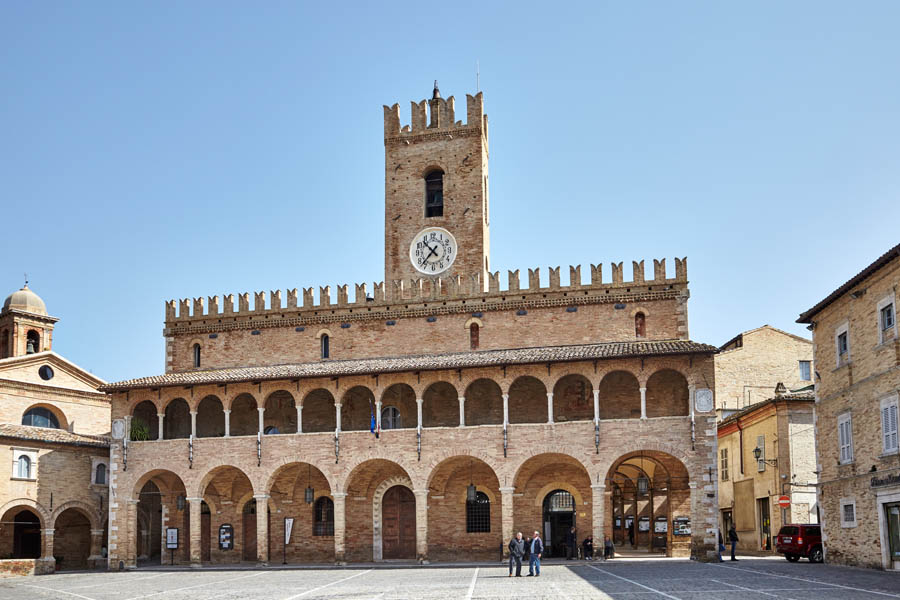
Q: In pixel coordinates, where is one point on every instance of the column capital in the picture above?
(47, 531)
(419, 400)
(598, 486)
(337, 404)
(461, 398)
(337, 495)
(261, 496)
(507, 490)
(260, 408)
(161, 415)
(198, 500)
(226, 410)
(132, 501)
(421, 492)
(193, 412)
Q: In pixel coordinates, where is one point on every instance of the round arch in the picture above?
(89, 512)
(527, 400)
(573, 398)
(318, 411)
(667, 394)
(620, 395)
(440, 405)
(484, 402)
(55, 410)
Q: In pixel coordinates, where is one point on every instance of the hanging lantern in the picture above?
(643, 484)
(310, 494)
(179, 502)
(471, 495)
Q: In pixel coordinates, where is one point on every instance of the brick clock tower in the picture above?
(436, 217)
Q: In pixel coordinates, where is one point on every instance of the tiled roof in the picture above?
(56, 436)
(430, 362)
(879, 262)
(796, 396)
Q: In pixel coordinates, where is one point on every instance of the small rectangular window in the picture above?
(845, 438)
(805, 371)
(843, 346)
(889, 424)
(848, 513)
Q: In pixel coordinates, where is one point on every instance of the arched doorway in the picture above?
(398, 522)
(26, 535)
(72, 540)
(249, 531)
(559, 518)
(161, 504)
(649, 504)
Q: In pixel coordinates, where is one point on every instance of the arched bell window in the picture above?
(323, 517)
(478, 514)
(196, 356)
(474, 331)
(324, 341)
(33, 342)
(434, 193)
(40, 417)
(640, 325)
(390, 418)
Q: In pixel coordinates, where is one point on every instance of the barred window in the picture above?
(323, 517)
(478, 514)
(561, 501)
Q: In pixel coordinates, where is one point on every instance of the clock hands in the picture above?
(432, 251)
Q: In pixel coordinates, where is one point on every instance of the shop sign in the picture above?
(886, 481)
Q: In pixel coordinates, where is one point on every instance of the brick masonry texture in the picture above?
(856, 387)
(566, 388)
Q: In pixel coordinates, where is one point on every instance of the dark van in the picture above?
(800, 541)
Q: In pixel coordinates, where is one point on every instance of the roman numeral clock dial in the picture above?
(432, 251)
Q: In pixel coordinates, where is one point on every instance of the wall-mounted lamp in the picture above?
(757, 452)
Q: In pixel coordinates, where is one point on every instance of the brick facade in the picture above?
(856, 387)
(542, 396)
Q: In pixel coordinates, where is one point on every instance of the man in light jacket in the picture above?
(534, 561)
(516, 552)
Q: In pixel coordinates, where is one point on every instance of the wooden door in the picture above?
(249, 552)
(398, 523)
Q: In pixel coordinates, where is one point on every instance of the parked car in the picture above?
(800, 541)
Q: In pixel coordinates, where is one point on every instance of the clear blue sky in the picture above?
(163, 150)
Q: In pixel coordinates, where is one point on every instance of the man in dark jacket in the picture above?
(516, 552)
(534, 560)
(571, 545)
(733, 538)
(587, 547)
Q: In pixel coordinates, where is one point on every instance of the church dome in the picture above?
(25, 300)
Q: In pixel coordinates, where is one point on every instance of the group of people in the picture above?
(532, 548)
(732, 539)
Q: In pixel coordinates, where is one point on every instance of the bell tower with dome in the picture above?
(25, 326)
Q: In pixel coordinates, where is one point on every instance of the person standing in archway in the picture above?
(534, 560)
(571, 544)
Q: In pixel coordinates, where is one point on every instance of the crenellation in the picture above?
(513, 280)
(659, 270)
(575, 276)
(554, 278)
(452, 287)
(419, 116)
(475, 110)
(637, 271)
(391, 120)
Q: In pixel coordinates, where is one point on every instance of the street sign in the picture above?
(784, 502)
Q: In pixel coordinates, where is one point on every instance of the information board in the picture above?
(226, 537)
(171, 538)
(681, 526)
(661, 525)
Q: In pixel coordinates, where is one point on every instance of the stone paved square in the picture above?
(618, 580)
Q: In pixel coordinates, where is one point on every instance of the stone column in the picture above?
(598, 514)
(506, 517)
(262, 529)
(128, 427)
(262, 418)
(47, 544)
(419, 413)
(462, 411)
(227, 422)
(643, 403)
(194, 423)
(421, 525)
(161, 419)
(378, 415)
(596, 406)
(337, 417)
(299, 418)
(550, 407)
(96, 559)
(505, 410)
(196, 531)
(340, 528)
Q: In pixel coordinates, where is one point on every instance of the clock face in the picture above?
(433, 250)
